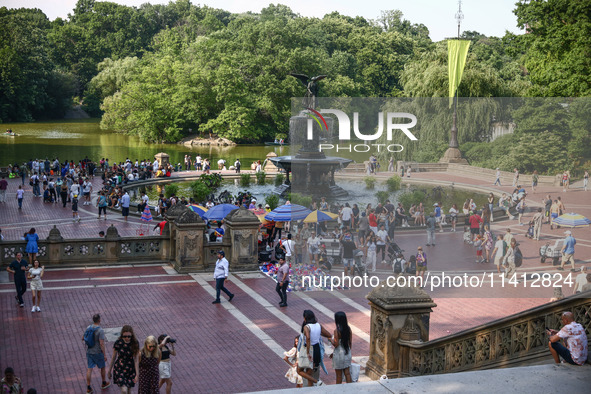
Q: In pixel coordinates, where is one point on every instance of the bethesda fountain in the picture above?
(312, 172)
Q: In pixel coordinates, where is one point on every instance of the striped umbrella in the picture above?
(572, 220)
(219, 212)
(287, 213)
(320, 216)
(198, 209)
(146, 215)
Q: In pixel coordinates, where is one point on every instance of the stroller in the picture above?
(551, 252)
(393, 250)
(359, 268)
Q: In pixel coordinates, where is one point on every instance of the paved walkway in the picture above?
(232, 347)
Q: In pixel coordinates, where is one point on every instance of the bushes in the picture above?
(213, 181)
(200, 191)
(279, 179)
(382, 196)
(409, 198)
(244, 179)
(305, 201)
(272, 200)
(261, 177)
(393, 183)
(171, 189)
(370, 182)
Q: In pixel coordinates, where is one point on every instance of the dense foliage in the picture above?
(161, 71)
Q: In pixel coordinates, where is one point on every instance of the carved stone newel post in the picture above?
(112, 239)
(54, 245)
(169, 230)
(242, 226)
(397, 313)
(188, 229)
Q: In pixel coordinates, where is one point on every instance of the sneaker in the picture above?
(319, 383)
(230, 299)
(216, 302)
(34, 309)
(440, 231)
(560, 269)
(89, 390)
(38, 309)
(105, 385)
(573, 270)
(282, 305)
(22, 305)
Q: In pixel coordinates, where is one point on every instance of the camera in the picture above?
(169, 340)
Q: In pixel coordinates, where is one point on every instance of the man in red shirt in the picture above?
(373, 221)
(161, 226)
(475, 221)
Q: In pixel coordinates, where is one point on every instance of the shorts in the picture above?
(554, 215)
(86, 194)
(125, 211)
(563, 352)
(520, 211)
(479, 253)
(454, 219)
(498, 260)
(474, 230)
(165, 369)
(438, 219)
(362, 234)
(421, 268)
(36, 285)
(95, 360)
(288, 259)
(347, 262)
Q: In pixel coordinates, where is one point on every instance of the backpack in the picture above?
(89, 336)
(397, 266)
(518, 257)
(412, 266)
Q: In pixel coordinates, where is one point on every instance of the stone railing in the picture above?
(112, 249)
(400, 345)
(512, 341)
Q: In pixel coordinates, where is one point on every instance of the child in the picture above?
(467, 235)
(478, 245)
(291, 358)
(75, 216)
(530, 230)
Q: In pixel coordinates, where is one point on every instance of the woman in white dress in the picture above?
(35, 275)
(341, 340)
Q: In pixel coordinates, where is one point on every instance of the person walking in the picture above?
(122, 368)
(431, 229)
(18, 268)
(96, 356)
(35, 275)
(488, 243)
(499, 252)
(391, 164)
(498, 176)
(554, 213)
(585, 180)
(165, 367)
(421, 262)
(534, 181)
(341, 340)
(148, 363)
(282, 282)
(237, 166)
(311, 348)
(509, 259)
(515, 177)
(220, 274)
(568, 251)
(538, 219)
(3, 187)
(19, 196)
(371, 248)
(125, 200)
(101, 203)
(32, 248)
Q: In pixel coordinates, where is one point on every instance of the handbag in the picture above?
(303, 360)
(355, 369)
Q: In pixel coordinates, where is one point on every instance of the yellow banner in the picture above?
(457, 52)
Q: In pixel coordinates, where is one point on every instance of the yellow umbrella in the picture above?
(320, 216)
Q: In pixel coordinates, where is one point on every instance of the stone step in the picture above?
(552, 378)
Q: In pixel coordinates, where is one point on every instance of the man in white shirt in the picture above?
(220, 274)
(289, 247)
(346, 214)
(145, 199)
(86, 190)
(382, 235)
(155, 166)
(580, 280)
(575, 338)
(498, 180)
(498, 252)
(313, 243)
(125, 200)
(198, 163)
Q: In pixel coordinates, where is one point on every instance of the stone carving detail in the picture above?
(243, 242)
(482, 348)
(98, 249)
(188, 217)
(191, 240)
(42, 251)
(242, 215)
(112, 234)
(519, 336)
(382, 324)
(140, 247)
(154, 247)
(176, 210)
(68, 250)
(125, 247)
(83, 249)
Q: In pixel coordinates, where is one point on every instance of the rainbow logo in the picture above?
(318, 120)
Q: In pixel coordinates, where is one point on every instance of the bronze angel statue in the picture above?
(311, 84)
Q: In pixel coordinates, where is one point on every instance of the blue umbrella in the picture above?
(572, 220)
(219, 212)
(287, 213)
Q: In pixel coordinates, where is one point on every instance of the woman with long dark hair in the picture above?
(310, 348)
(125, 353)
(341, 340)
(32, 248)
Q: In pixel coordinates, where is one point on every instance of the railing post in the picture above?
(112, 239)
(242, 227)
(188, 229)
(396, 313)
(54, 245)
(169, 230)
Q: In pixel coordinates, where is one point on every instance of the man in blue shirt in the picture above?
(125, 200)
(568, 251)
(18, 268)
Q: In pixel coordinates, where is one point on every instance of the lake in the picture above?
(75, 139)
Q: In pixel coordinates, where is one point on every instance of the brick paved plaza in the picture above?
(231, 347)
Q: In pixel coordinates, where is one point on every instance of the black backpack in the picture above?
(518, 257)
(412, 265)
